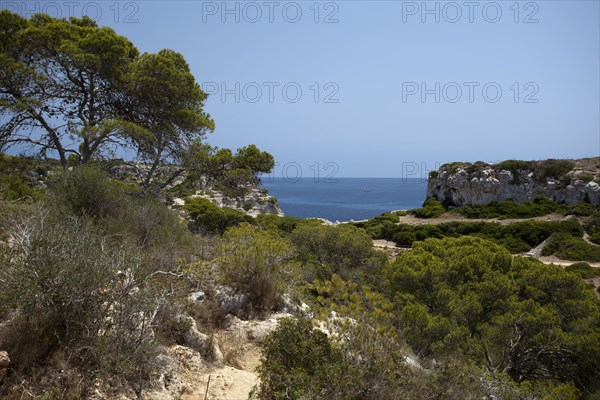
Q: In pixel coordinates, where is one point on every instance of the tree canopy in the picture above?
(514, 315)
(71, 87)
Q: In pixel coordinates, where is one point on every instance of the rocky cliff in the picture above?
(564, 181)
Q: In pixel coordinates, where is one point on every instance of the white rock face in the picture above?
(253, 203)
(460, 187)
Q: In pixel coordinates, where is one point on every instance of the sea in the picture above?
(345, 199)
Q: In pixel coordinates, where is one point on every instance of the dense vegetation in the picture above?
(471, 297)
(466, 308)
(81, 281)
(96, 272)
(88, 276)
(565, 238)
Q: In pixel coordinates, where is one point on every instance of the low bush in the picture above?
(75, 292)
(87, 191)
(12, 187)
(431, 208)
(285, 225)
(516, 237)
(512, 209)
(210, 218)
(300, 362)
(555, 169)
(583, 270)
(568, 247)
(515, 167)
(592, 226)
(257, 262)
(326, 250)
(581, 209)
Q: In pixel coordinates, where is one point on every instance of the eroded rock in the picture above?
(481, 183)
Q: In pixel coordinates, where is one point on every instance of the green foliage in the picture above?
(568, 247)
(230, 173)
(257, 262)
(39, 59)
(13, 188)
(79, 278)
(394, 218)
(382, 226)
(555, 169)
(469, 296)
(87, 191)
(183, 189)
(581, 209)
(592, 226)
(512, 209)
(19, 177)
(516, 237)
(453, 167)
(74, 291)
(583, 270)
(210, 218)
(299, 362)
(515, 167)
(431, 208)
(340, 249)
(285, 225)
(169, 109)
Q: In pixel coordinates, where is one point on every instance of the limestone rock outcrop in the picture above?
(4, 361)
(564, 181)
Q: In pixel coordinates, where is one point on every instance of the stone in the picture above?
(466, 185)
(4, 361)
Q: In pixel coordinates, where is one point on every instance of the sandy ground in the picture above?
(455, 217)
(564, 263)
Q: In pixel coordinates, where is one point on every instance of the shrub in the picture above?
(516, 237)
(210, 218)
(12, 187)
(512, 209)
(340, 249)
(592, 225)
(555, 169)
(431, 208)
(515, 167)
(595, 237)
(258, 263)
(76, 292)
(568, 247)
(299, 362)
(581, 208)
(284, 225)
(583, 270)
(87, 191)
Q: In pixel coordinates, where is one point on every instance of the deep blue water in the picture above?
(345, 198)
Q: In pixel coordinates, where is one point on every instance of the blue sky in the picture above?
(362, 68)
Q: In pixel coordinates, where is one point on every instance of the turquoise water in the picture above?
(345, 198)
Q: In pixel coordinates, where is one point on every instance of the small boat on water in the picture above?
(367, 189)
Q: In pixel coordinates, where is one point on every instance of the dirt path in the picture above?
(455, 217)
(586, 237)
(564, 263)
